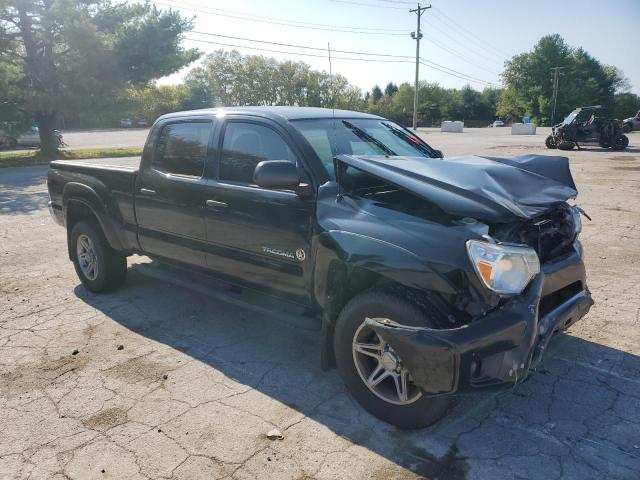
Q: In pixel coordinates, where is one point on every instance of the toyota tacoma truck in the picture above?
(432, 276)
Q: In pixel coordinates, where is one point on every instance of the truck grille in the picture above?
(551, 235)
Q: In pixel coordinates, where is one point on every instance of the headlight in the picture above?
(504, 269)
(577, 221)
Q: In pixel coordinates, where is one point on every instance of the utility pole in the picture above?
(417, 35)
(556, 80)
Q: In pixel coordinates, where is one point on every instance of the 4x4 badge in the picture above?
(300, 255)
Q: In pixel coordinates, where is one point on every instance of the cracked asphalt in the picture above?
(205, 371)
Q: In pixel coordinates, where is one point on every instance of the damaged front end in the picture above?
(520, 281)
(505, 341)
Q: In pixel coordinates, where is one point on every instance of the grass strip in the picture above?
(34, 157)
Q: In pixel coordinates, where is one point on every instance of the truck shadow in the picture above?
(23, 189)
(576, 417)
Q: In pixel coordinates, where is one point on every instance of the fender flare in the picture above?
(84, 194)
(337, 253)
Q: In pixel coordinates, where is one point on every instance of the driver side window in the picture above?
(247, 144)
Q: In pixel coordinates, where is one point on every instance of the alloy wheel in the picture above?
(381, 369)
(87, 257)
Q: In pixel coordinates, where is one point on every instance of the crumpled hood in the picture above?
(493, 189)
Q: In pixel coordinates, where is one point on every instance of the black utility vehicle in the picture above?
(587, 125)
(432, 276)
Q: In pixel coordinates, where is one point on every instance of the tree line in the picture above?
(228, 78)
(89, 63)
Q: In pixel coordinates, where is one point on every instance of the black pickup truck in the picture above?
(432, 276)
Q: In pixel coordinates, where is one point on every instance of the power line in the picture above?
(302, 46)
(455, 53)
(317, 26)
(467, 32)
(397, 2)
(368, 4)
(473, 51)
(454, 73)
(276, 21)
(352, 52)
(432, 65)
(297, 53)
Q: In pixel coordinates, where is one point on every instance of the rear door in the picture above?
(260, 237)
(171, 191)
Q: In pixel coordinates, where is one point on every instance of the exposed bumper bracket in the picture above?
(499, 348)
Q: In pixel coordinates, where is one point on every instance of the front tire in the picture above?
(390, 393)
(550, 142)
(99, 267)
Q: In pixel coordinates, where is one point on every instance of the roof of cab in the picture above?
(274, 112)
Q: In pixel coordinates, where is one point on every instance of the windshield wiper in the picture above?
(368, 138)
(413, 140)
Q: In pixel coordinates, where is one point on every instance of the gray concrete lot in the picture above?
(103, 138)
(204, 372)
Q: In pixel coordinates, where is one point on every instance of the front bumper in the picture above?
(500, 347)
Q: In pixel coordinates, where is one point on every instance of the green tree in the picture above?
(529, 85)
(391, 89)
(376, 93)
(625, 105)
(71, 53)
(229, 79)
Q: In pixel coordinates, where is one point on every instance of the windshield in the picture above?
(571, 117)
(331, 137)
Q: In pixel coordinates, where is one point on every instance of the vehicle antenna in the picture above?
(333, 96)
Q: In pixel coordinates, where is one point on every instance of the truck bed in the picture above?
(105, 187)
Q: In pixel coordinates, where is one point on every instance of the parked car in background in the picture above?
(632, 123)
(30, 138)
(497, 123)
(136, 122)
(430, 275)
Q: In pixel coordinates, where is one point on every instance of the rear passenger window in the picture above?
(182, 148)
(247, 144)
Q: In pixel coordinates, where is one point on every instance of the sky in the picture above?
(462, 38)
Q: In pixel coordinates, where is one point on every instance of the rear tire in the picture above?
(418, 410)
(550, 142)
(620, 142)
(99, 267)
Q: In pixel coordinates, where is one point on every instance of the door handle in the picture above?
(215, 205)
(147, 193)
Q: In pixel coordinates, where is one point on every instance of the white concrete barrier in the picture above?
(523, 129)
(455, 127)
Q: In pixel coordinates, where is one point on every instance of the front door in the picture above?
(170, 192)
(260, 237)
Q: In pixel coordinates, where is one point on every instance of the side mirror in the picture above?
(439, 154)
(277, 175)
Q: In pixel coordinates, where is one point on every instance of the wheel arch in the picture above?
(81, 202)
(347, 266)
